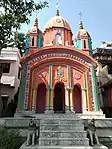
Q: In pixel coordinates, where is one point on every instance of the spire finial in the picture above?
(80, 24)
(36, 20)
(57, 7)
(80, 14)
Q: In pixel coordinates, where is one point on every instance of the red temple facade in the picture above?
(58, 73)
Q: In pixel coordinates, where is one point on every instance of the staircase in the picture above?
(62, 132)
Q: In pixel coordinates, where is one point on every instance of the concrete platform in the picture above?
(100, 147)
(63, 147)
(54, 147)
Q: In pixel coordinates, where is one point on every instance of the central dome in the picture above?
(57, 21)
(57, 31)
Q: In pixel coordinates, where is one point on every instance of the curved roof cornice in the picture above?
(60, 49)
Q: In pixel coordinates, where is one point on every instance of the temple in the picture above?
(58, 72)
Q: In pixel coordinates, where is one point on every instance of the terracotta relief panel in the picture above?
(42, 76)
(59, 74)
(77, 77)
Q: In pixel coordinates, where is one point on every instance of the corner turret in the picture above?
(83, 40)
(34, 38)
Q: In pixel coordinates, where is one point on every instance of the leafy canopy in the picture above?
(18, 41)
(12, 14)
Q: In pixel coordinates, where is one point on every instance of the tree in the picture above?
(12, 14)
(18, 41)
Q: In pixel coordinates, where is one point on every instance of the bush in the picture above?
(9, 139)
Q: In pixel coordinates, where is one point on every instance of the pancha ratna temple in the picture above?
(58, 72)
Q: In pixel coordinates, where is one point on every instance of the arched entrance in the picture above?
(41, 98)
(59, 98)
(77, 99)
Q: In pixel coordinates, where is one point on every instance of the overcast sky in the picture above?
(97, 17)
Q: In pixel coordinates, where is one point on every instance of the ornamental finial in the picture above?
(80, 24)
(80, 14)
(36, 22)
(57, 7)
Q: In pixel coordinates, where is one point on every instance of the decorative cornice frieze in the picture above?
(44, 56)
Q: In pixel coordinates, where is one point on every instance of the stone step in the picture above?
(54, 147)
(68, 115)
(61, 127)
(64, 141)
(62, 121)
(62, 147)
(63, 134)
(61, 124)
(71, 147)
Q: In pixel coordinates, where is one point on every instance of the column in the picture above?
(49, 94)
(47, 99)
(69, 76)
(34, 92)
(67, 106)
(95, 88)
(33, 100)
(84, 100)
(23, 102)
(67, 91)
(51, 99)
(88, 92)
(71, 99)
(84, 95)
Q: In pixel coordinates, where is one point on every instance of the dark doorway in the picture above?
(59, 98)
(4, 101)
(41, 98)
(77, 99)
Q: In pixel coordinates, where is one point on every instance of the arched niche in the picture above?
(77, 98)
(59, 98)
(41, 98)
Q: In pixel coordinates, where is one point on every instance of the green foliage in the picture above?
(20, 42)
(9, 139)
(12, 14)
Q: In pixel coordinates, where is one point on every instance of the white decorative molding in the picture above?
(27, 86)
(69, 55)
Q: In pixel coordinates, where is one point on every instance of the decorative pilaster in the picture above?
(33, 99)
(69, 77)
(95, 89)
(67, 101)
(49, 98)
(33, 102)
(27, 88)
(84, 94)
(71, 99)
(50, 77)
(68, 92)
(88, 92)
(23, 103)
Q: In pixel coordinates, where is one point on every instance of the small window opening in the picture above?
(58, 39)
(33, 41)
(84, 44)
